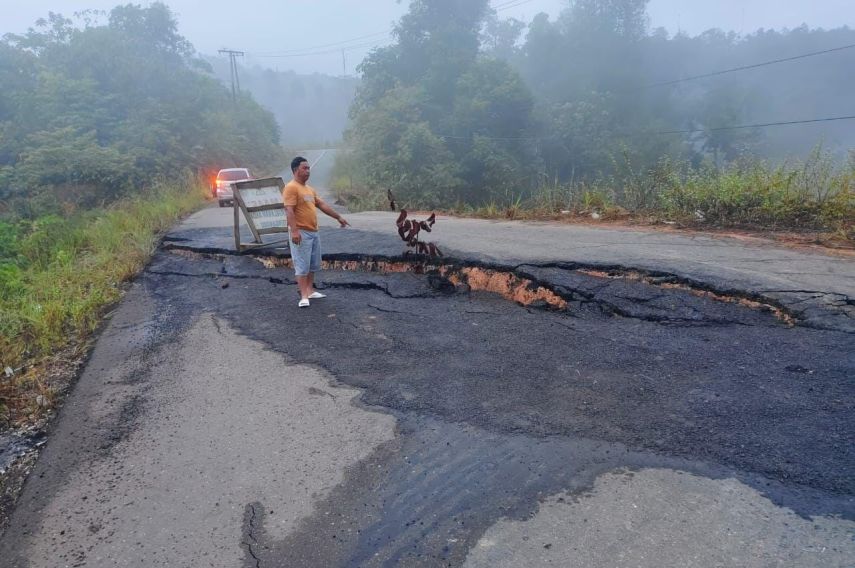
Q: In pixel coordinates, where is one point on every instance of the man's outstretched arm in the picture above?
(322, 205)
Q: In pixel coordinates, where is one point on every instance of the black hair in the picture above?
(295, 163)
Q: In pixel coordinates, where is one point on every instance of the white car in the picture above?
(222, 188)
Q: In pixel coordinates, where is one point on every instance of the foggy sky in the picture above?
(271, 31)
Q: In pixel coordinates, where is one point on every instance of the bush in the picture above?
(809, 195)
(57, 277)
(813, 195)
(92, 115)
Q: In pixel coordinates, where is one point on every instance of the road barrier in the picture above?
(262, 206)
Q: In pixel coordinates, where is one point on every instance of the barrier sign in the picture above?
(261, 203)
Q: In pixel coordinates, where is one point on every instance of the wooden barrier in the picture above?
(263, 209)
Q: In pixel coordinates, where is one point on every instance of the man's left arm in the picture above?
(322, 205)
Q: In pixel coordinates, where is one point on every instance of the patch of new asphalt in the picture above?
(511, 421)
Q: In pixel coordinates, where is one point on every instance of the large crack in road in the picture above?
(663, 298)
(500, 405)
(832, 308)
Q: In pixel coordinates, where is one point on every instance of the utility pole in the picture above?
(343, 63)
(233, 55)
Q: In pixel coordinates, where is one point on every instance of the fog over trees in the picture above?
(310, 109)
(112, 124)
(95, 109)
(466, 107)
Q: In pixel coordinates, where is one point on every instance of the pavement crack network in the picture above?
(389, 311)
(565, 325)
(639, 300)
(216, 324)
(347, 322)
(802, 301)
(843, 299)
(523, 285)
(220, 275)
(249, 540)
(795, 292)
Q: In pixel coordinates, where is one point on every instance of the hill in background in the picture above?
(310, 109)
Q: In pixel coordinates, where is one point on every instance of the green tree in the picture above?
(499, 37)
(88, 114)
(436, 119)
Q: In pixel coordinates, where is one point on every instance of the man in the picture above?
(301, 202)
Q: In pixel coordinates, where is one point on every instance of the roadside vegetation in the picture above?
(813, 196)
(580, 115)
(110, 130)
(816, 196)
(91, 112)
(58, 275)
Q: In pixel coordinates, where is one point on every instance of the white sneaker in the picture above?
(304, 303)
(317, 295)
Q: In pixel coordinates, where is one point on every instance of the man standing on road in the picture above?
(301, 201)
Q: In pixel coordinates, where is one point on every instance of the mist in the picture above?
(261, 28)
(475, 101)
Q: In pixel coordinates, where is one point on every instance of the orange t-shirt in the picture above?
(303, 199)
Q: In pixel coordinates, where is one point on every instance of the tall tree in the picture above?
(434, 93)
(90, 113)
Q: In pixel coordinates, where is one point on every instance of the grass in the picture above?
(813, 195)
(58, 276)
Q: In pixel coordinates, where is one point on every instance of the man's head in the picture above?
(300, 169)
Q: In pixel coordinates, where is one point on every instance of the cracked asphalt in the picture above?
(691, 406)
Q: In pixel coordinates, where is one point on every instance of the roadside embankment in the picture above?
(58, 278)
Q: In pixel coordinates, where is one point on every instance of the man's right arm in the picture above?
(293, 231)
(289, 198)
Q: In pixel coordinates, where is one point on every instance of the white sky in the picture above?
(264, 27)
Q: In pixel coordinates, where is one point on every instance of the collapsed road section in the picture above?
(671, 367)
(571, 281)
(485, 394)
(657, 369)
(613, 291)
(564, 287)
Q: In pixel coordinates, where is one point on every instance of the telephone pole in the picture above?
(233, 55)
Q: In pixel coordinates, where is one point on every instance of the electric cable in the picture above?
(746, 67)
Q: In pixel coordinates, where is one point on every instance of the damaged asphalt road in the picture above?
(647, 417)
(716, 381)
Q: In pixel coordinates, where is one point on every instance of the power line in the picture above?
(322, 52)
(451, 137)
(314, 50)
(762, 125)
(502, 4)
(322, 46)
(745, 67)
(508, 5)
(661, 132)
